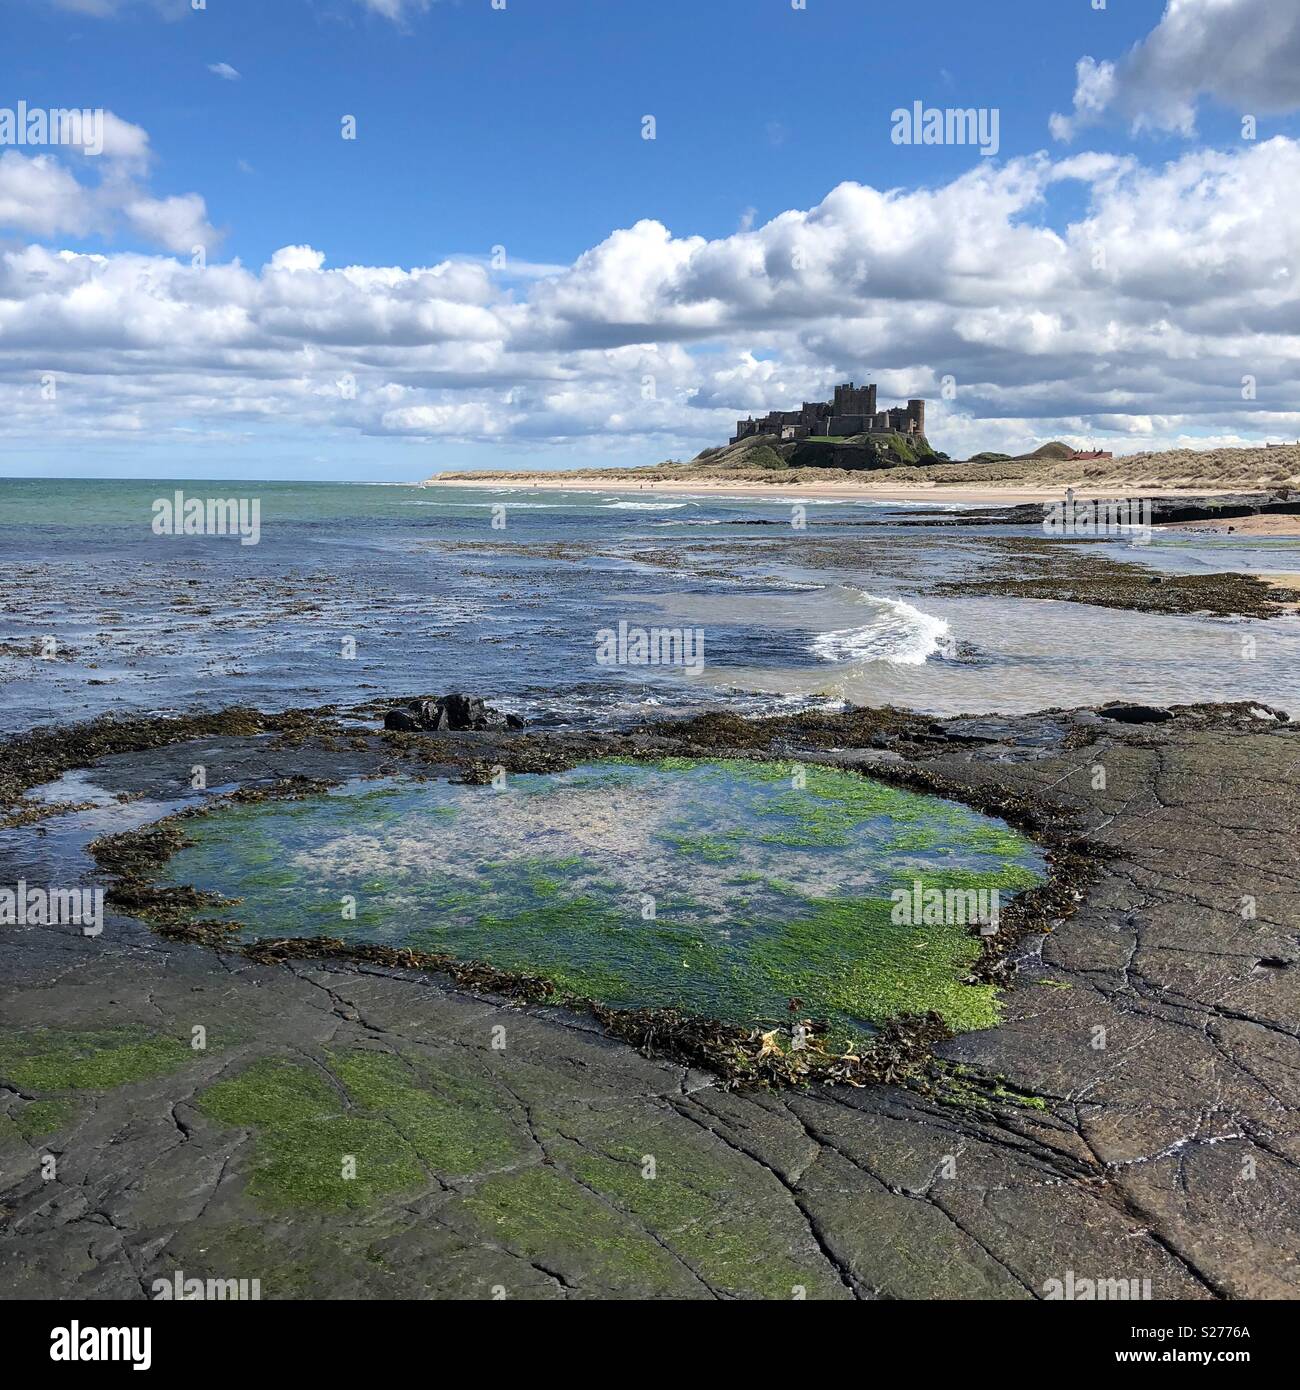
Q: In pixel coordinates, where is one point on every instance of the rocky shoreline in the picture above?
(983, 1165)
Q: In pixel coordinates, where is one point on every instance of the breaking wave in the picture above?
(896, 632)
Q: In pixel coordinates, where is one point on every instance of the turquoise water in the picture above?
(128, 503)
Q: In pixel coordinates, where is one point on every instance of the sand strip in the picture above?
(793, 490)
(1242, 526)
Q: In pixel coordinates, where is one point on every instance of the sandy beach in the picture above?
(1278, 579)
(794, 489)
(1282, 527)
(1171, 473)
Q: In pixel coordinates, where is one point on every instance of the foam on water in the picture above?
(644, 506)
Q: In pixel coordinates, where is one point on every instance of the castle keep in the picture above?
(853, 411)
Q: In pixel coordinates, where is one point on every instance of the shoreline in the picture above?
(1279, 579)
(794, 489)
(1281, 527)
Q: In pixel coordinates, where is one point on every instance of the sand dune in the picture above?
(1171, 472)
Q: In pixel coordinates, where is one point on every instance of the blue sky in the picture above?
(522, 129)
(479, 127)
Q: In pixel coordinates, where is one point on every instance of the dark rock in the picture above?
(1135, 714)
(1164, 510)
(402, 722)
(450, 713)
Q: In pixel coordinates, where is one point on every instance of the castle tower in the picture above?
(916, 414)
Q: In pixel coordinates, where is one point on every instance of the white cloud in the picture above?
(176, 224)
(297, 258)
(124, 142)
(1244, 54)
(225, 71)
(1135, 322)
(395, 10)
(41, 196)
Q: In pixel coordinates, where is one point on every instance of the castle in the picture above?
(853, 411)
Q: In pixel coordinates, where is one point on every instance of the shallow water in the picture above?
(354, 592)
(721, 888)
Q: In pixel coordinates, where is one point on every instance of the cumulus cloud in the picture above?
(42, 196)
(1244, 54)
(1140, 321)
(178, 223)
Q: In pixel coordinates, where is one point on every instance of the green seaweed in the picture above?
(724, 888)
(39, 1119)
(365, 1109)
(546, 1218)
(850, 955)
(47, 1059)
(688, 1204)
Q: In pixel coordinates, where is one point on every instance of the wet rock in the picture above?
(1135, 714)
(402, 722)
(450, 713)
(1167, 1154)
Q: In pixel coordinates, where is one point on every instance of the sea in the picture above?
(355, 593)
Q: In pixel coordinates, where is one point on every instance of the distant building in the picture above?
(853, 411)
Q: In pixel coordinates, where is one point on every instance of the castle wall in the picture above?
(853, 411)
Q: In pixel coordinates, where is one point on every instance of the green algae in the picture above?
(366, 1113)
(690, 1205)
(45, 1059)
(962, 1086)
(723, 888)
(39, 1119)
(865, 967)
(549, 1220)
(717, 849)
(644, 1209)
(456, 1128)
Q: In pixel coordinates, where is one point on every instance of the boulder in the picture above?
(401, 721)
(450, 713)
(1134, 714)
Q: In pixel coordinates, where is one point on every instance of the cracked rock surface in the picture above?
(523, 1153)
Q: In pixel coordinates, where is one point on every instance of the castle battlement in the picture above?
(853, 411)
